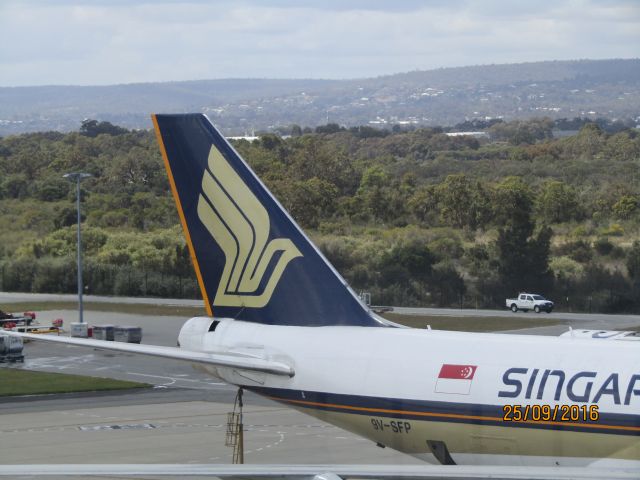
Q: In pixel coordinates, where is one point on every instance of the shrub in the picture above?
(565, 267)
(445, 248)
(17, 275)
(51, 189)
(580, 251)
(55, 275)
(603, 246)
(613, 230)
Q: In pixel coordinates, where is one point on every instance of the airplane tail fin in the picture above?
(252, 261)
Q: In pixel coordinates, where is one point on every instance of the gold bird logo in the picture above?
(240, 225)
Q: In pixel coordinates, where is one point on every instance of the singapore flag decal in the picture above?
(455, 379)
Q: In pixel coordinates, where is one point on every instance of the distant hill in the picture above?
(559, 89)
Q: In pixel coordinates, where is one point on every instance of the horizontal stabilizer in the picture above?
(221, 359)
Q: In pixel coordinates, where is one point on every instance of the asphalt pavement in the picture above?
(13, 297)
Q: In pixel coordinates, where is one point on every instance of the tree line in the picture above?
(414, 217)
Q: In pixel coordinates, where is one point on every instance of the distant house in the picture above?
(468, 134)
(247, 138)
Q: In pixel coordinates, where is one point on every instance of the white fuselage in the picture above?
(388, 385)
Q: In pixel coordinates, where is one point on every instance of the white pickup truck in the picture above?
(530, 301)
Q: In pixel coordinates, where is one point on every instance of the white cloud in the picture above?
(103, 42)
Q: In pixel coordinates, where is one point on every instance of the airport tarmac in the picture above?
(157, 330)
(182, 418)
(172, 426)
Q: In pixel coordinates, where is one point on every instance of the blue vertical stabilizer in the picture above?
(252, 260)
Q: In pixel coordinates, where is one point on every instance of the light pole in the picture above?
(78, 177)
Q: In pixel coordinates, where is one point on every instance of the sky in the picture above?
(101, 42)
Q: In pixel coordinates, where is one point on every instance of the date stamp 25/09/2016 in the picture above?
(550, 413)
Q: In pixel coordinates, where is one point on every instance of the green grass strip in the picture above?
(15, 381)
(472, 324)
